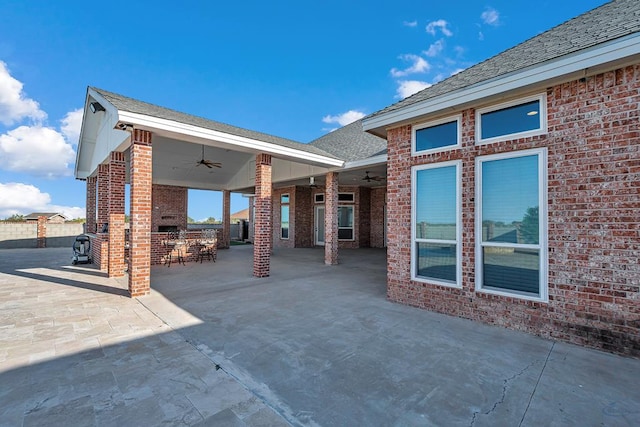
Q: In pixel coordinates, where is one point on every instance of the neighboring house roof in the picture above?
(131, 105)
(49, 215)
(243, 214)
(351, 143)
(606, 23)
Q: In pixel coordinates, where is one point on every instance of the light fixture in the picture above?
(95, 107)
(312, 182)
(532, 113)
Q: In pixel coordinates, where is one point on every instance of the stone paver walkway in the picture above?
(74, 351)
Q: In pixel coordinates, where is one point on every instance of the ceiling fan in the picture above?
(207, 163)
(372, 178)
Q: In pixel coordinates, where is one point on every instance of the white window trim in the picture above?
(353, 197)
(457, 118)
(414, 173)
(353, 225)
(541, 98)
(315, 198)
(288, 203)
(542, 214)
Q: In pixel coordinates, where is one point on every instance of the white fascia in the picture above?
(246, 144)
(583, 60)
(371, 161)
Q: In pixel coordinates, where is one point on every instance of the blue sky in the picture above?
(286, 68)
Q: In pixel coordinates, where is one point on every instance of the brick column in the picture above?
(116, 245)
(226, 218)
(331, 219)
(263, 221)
(103, 196)
(42, 231)
(115, 265)
(140, 214)
(91, 205)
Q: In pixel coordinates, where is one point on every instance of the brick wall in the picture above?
(378, 197)
(169, 206)
(593, 145)
(91, 204)
(364, 217)
(303, 217)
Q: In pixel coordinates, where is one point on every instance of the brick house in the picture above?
(514, 186)
(508, 193)
(51, 217)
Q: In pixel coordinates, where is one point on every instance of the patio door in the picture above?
(318, 225)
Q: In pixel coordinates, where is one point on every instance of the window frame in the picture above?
(542, 245)
(353, 223)
(351, 198)
(318, 198)
(541, 130)
(424, 125)
(282, 205)
(415, 240)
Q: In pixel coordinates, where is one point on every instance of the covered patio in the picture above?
(162, 153)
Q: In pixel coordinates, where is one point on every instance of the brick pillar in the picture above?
(116, 245)
(140, 214)
(331, 219)
(103, 196)
(226, 218)
(116, 183)
(115, 259)
(263, 221)
(42, 231)
(91, 205)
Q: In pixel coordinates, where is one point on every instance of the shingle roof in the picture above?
(35, 215)
(131, 105)
(610, 21)
(351, 142)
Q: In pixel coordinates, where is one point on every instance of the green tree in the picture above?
(15, 218)
(529, 229)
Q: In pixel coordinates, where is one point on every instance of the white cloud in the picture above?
(409, 87)
(410, 23)
(480, 35)
(22, 199)
(71, 124)
(491, 17)
(419, 66)
(344, 118)
(435, 48)
(14, 105)
(36, 150)
(440, 24)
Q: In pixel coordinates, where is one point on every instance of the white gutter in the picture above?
(371, 161)
(247, 144)
(581, 61)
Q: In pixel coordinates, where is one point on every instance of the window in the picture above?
(516, 119)
(436, 249)
(436, 135)
(346, 197)
(319, 197)
(284, 216)
(511, 224)
(345, 223)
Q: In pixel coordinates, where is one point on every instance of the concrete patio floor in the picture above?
(310, 345)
